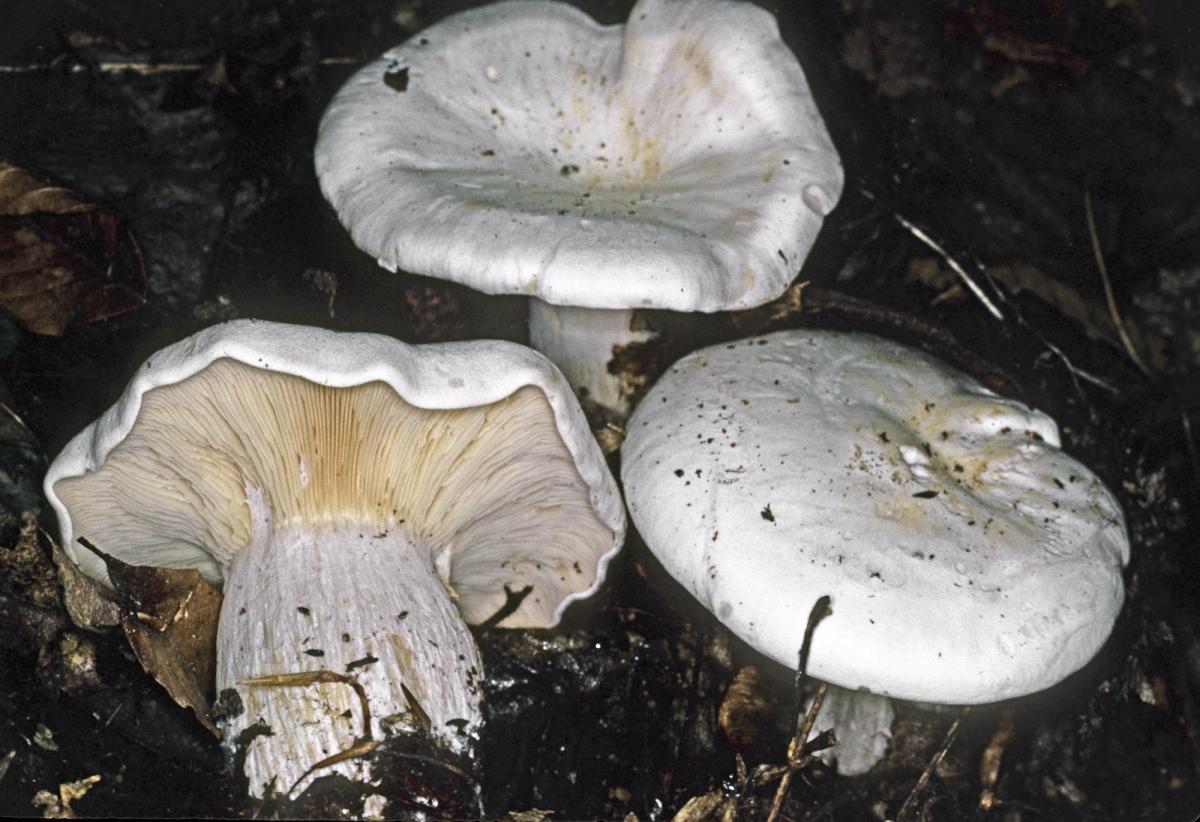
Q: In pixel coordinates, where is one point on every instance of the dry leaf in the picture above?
(59, 807)
(713, 806)
(63, 260)
(746, 709)
(531, 815)
(170, 621)
(43, 737)
(26, 566)
(88, 603)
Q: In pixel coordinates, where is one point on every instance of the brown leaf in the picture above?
(746, 709)
(27, 567)
(88, 603)
(713, 806)
(63, 260)
(170, 621)
(59, 807)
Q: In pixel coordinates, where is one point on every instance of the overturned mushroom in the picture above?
(674, 162)
(358, 498)
(968, 558)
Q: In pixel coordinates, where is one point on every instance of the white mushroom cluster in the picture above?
(677, 161)
(969, 559)
(361, 501)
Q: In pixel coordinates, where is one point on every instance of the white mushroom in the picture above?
(358, 498)
(674, 162)
(968, 558)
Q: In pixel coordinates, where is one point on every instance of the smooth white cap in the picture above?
(968, 558)
(190, 505)
(676, 162)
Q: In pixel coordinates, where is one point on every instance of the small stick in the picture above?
(973, 286)
(423, 719)
(361, 746)
(910, 803)
(1108, 290)
(933, 244)
(87, 543)
(804, 721)
(797, 759)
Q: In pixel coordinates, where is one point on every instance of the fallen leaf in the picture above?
(26, 566)
(170, 619)
(43, 737)
(713, 806)
(88, 603)
(70, 791)
(59, 807)
(746, 709)
(531, 815)
(63, 260)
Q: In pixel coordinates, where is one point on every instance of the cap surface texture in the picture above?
(677, 161)
(968, 558)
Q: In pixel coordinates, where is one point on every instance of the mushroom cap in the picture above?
(675, 162)
(479, 448)
(968, 558)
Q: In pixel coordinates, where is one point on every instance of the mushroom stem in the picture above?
(359, 600)
(582, 343)
(862, 722)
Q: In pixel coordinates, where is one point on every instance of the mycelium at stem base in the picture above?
(358, 601)
(582, 342)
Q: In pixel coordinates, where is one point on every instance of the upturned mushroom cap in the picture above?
(674, 162)
(968, 558)
(358, 498)
(478, 447)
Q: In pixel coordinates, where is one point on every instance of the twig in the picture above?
(1076, 373)
(1096, 319)
(361, 746)
(973, 286)
(1074, 370)
(1108, 290)
(910, 803)
(7, 760)
(796, 758)
(423, 720)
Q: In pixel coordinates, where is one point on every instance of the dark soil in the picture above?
(980, 124)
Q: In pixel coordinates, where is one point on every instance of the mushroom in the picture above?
(360, 500)
(968, 558)
(675, 162)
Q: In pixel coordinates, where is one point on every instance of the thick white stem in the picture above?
(862, 722)
(358, 600)
(580, 342)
